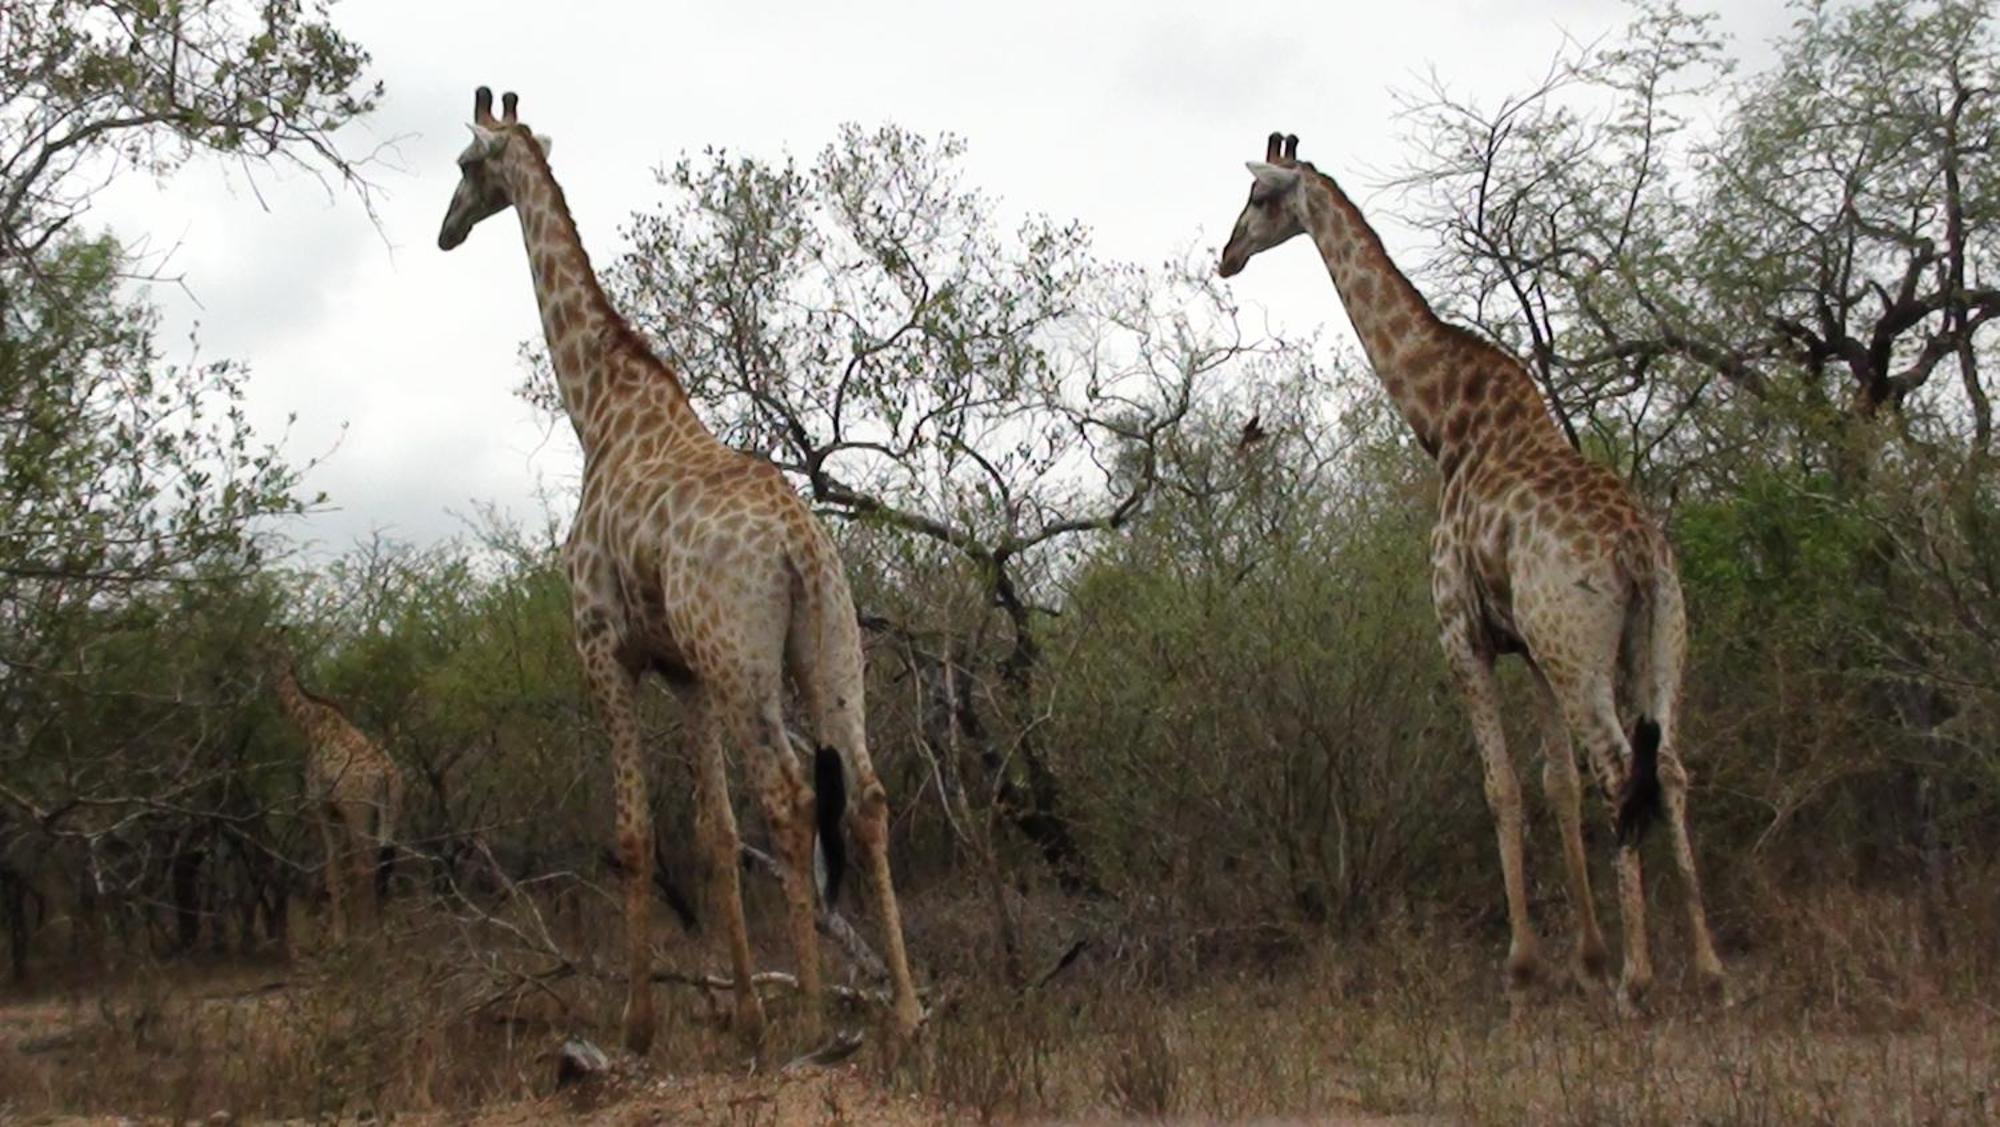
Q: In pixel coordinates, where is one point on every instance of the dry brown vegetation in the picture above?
(1841, 1012)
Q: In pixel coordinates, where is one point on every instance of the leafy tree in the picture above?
(134, 489)
(1809, 254)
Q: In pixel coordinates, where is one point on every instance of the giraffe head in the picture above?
(1276, 210)
(483, 186)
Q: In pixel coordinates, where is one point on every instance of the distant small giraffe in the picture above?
(356, 792)
(1537, 551)
(700, 563)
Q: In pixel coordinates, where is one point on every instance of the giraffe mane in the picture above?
(622, 337)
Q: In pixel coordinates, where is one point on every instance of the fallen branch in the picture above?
(1068, 958)
(828, 921)
(270, 987)
(770, 978)
(841, 1046)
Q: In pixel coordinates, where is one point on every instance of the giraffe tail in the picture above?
(1640, 803)
(809, 569)
(829, 804)
(1653, 671)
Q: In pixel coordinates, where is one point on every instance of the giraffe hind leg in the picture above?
(788, 812)
(1593, 719)
(825, 658)
(1565, 793)
(1673, 785)
(359, 871)
(715, 825)
(1474, 672)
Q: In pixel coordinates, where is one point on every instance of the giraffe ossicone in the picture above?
(699, 563)
(1537, 551)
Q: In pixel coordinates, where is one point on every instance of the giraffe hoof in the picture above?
(906, 1024)
(1631, 996)
(749, 1021)
(638, 1032)
(639, 1040)
(1591, 968)
(1713, 986)
(1522, 969)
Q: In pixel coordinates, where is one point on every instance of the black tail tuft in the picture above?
(1640, 803)
(385, 870)
(830, 800)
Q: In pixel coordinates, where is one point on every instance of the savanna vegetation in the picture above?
(1188, 819)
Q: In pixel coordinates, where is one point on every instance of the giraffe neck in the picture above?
(1390, 317)
(609, 378)
(1444, 380)
(297, 703)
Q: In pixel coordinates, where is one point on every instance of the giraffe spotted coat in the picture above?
(1537, 551)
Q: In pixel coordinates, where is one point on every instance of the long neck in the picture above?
(604, 369)
(309, 714)
(1392, 319)
(1460, 393)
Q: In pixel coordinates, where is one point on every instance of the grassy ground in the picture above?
(1843, 1020)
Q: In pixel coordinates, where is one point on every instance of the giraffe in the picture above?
(699, 563)
(1537, 551)
(356, 791)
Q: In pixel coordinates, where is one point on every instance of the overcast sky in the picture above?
(399, 360)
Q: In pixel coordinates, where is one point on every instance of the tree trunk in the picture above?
(1038, 810)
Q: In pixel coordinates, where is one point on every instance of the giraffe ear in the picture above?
(546, 142)
(1272, 177)
(489, 142)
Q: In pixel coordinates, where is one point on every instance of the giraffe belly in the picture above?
(655, 649)
(1496, 617)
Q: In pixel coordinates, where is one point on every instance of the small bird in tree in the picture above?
(1253, 432)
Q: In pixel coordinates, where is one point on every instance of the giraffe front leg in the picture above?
(1474, 672)
(612, 685)
(335, 874)
(359, 871)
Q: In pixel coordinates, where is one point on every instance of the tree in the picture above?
(134, 489)
(1810, 254)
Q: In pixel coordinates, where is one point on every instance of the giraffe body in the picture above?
(356, 793)
(699, 563)
(1537, 551)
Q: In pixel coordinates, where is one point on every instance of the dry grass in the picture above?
(1841, 1017)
